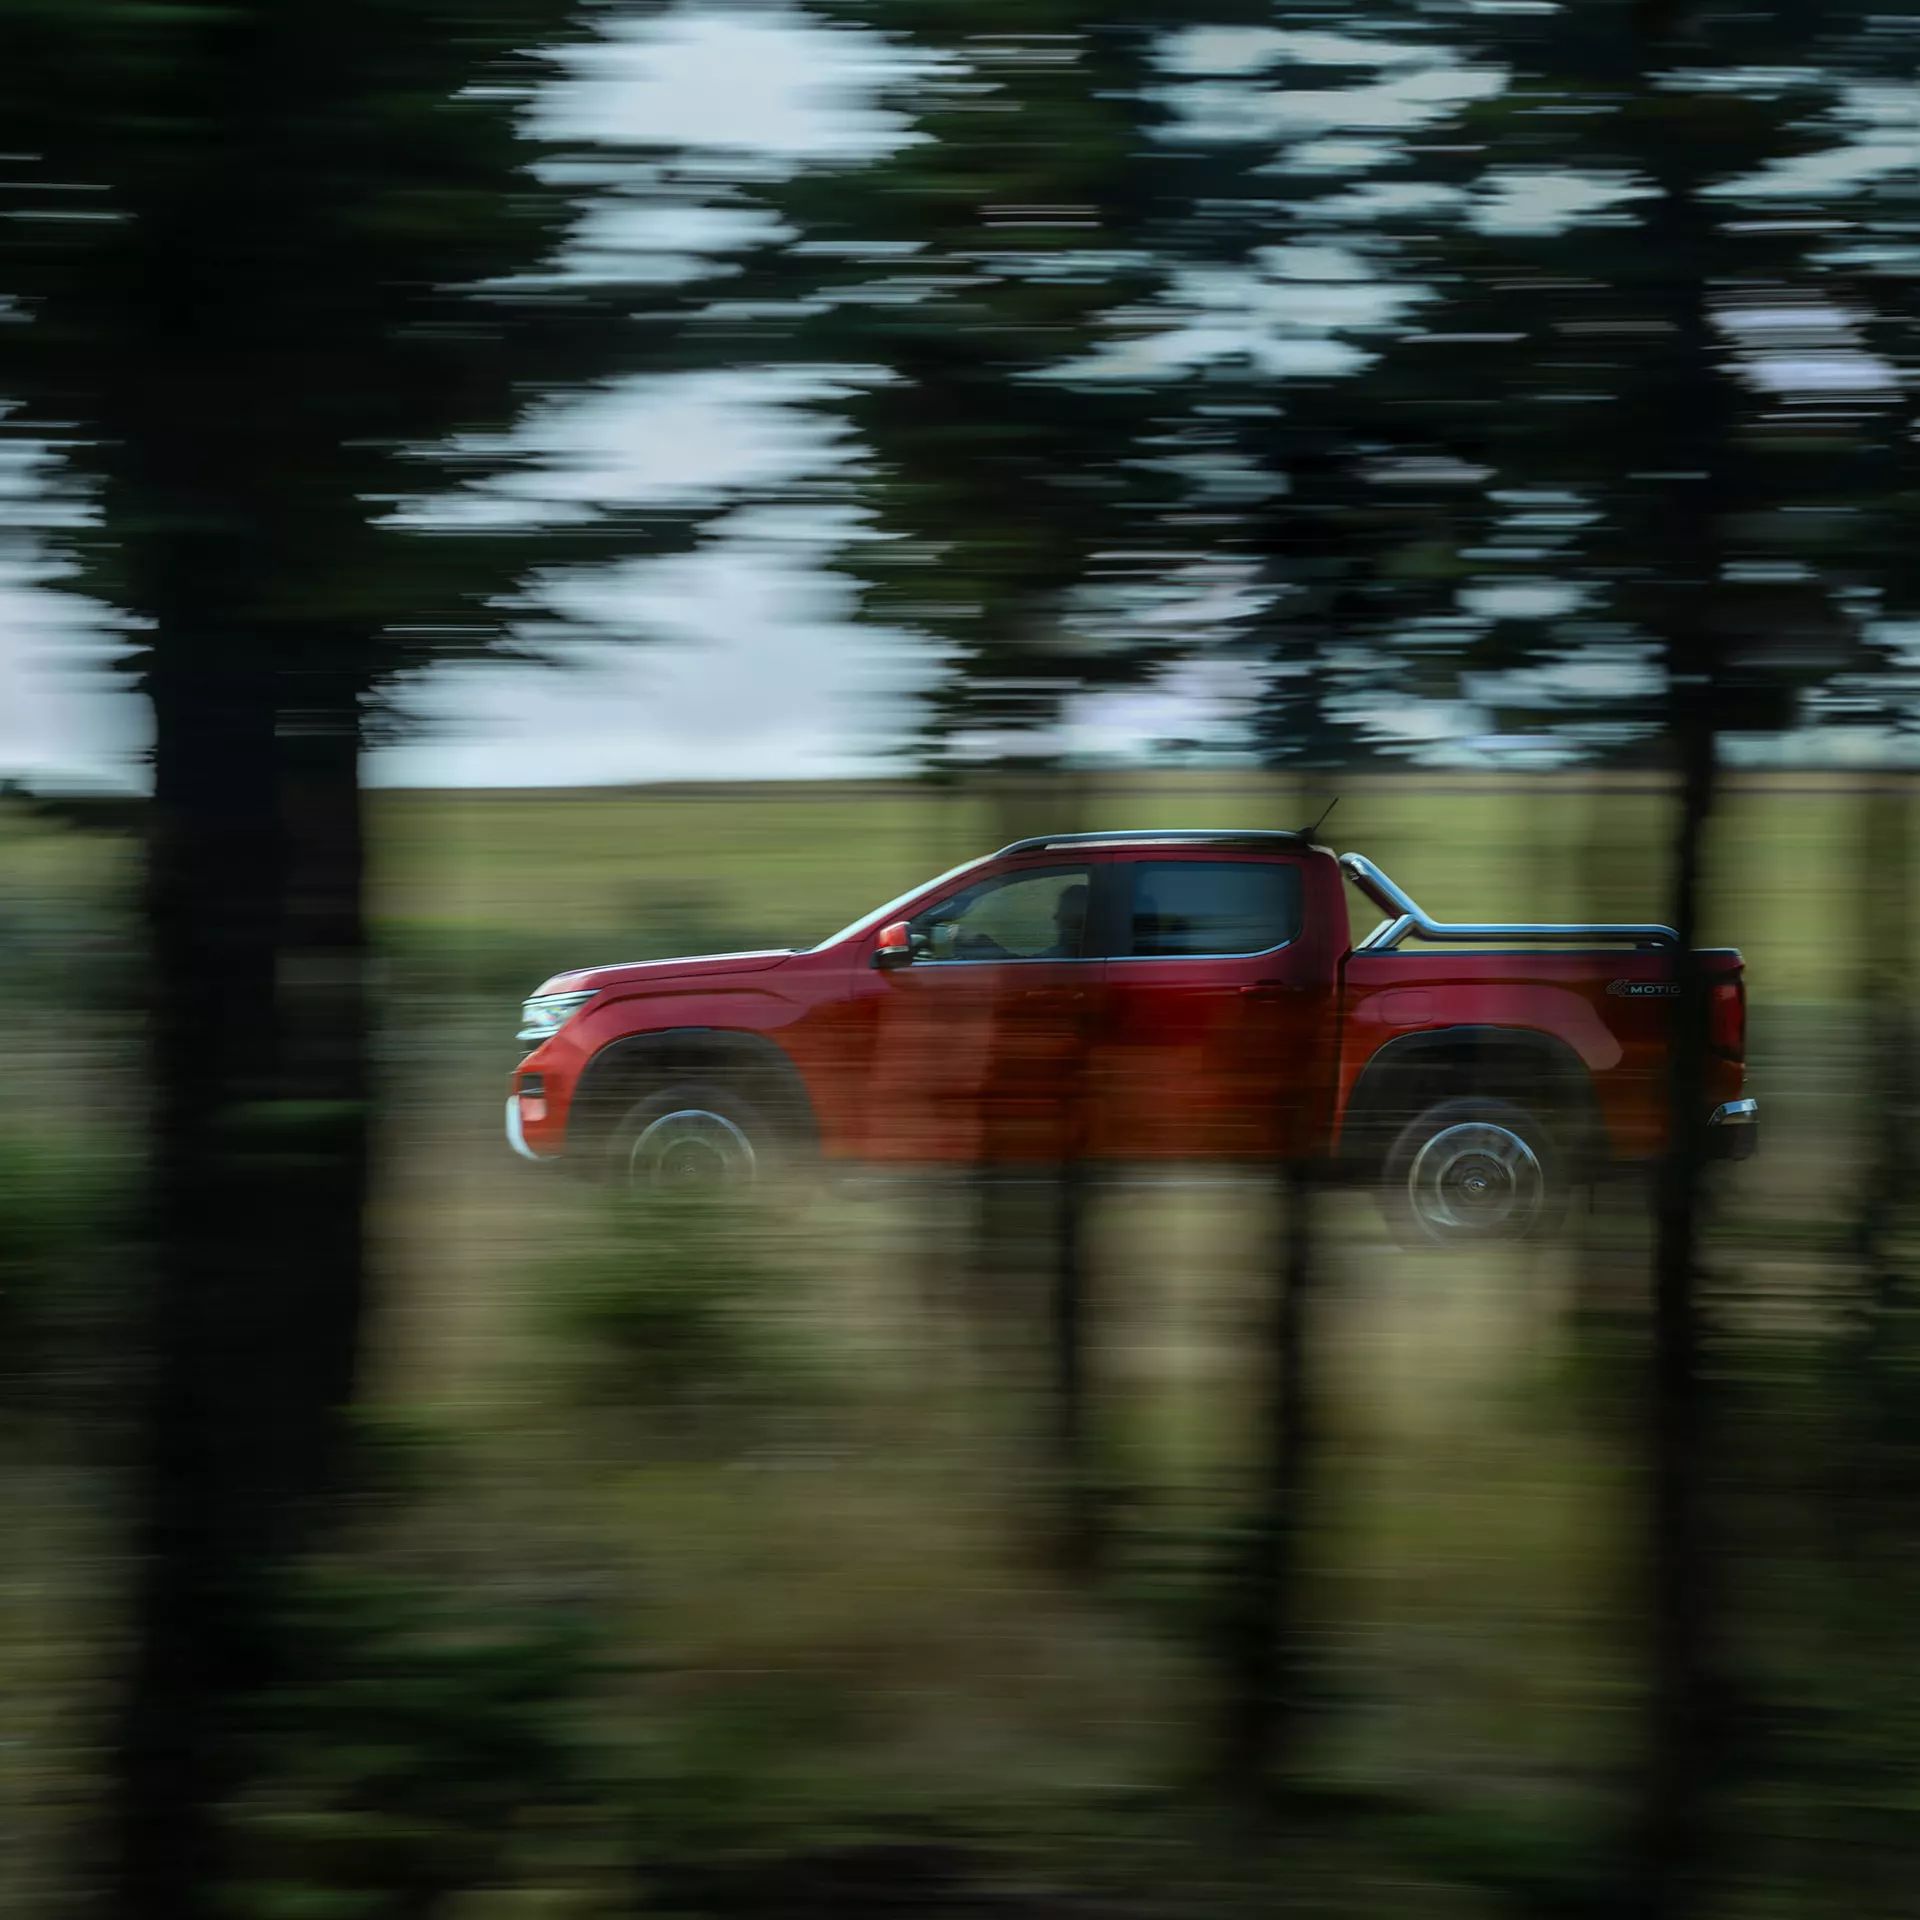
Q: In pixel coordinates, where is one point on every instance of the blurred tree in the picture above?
(961, 282)
(1679, 519)
(1617, 319)
(1689, 424)
(1320, 496)
(1266, 1638)
(1009, 515)
(421, 1746)
(1575, 227)
(280, 267)
(1300, 409)
(1703, 496)
(1560, 260)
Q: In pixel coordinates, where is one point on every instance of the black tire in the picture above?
(1474, 1172)
(693, 1134)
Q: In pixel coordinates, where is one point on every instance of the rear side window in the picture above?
(1193, 907)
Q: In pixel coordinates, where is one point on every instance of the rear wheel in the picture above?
(1471, 1171)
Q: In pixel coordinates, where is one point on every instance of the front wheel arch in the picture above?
(759, 1071)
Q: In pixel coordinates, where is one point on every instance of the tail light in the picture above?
(1727, 1018)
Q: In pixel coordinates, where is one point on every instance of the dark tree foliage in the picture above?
(1459, 517)
(1009, 515)
(266, 267)
(1324, 460)
(1701, 502)
(1683, 288)
(963, 282)
(262, 261)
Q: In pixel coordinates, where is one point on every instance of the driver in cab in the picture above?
(1069, 933)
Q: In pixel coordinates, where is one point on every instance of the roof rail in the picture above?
(1404, 918)
(1159, 836)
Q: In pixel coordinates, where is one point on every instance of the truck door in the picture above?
(1218, 1012)
(982, 1044)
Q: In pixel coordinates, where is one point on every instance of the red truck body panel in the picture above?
(1122, 1056)
(1622, 1039)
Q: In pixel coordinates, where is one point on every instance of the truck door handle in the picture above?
(1052, 993)
(1267, 990)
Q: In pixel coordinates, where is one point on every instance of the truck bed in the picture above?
(1612, 1006)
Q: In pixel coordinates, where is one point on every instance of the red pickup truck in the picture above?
(1149, 997)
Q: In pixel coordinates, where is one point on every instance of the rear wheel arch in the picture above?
(1532, 1069)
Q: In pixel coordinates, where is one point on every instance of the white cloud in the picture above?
(738, 661)
(1213, 111)
(1599, 672)
(1522, 600)
(675, 440)
(1839, 171)
(1340, 156)
(769, 82)
(1282, 315)
(62, 713)
(1855, 373)
(617, 239)
(1382, 199)
(1512, 202)
(1238, 50)
(1885, 141)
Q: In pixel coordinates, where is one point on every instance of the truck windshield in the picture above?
(879, 916)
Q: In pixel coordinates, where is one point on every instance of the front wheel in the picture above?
(1469, 1171)
(697, 1137)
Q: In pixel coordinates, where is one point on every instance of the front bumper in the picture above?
(1733, 1130)
(516, 1136)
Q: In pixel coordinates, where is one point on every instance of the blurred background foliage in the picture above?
(1419, 391)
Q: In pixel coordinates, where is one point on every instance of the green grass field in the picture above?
(787, 865)
(475, 872)
(480, 896)
(827, 1566)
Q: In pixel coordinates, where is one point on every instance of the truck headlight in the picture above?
(546, 1013)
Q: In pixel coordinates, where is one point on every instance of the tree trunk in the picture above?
(1886, 911)
(1081, 1532)
(1265, 1657)
(1681, 1734)
(1045, 1245)
(259, 1171)
(1692, 423)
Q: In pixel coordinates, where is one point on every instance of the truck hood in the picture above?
(661, 973)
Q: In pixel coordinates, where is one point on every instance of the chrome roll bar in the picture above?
(1406, 919)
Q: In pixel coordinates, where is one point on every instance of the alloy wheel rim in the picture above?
(691, 1148)
(1475, 1181)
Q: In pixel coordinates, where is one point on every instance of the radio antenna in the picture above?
(1307, 833)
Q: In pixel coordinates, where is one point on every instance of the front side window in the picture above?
(1213, 907)
(1012, 916)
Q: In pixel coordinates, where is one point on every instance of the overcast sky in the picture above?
(751, 663)
(757, 668)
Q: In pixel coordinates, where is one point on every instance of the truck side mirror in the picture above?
(894, 948)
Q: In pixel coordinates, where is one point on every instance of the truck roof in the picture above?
(1162, 837)
(1404, 920)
